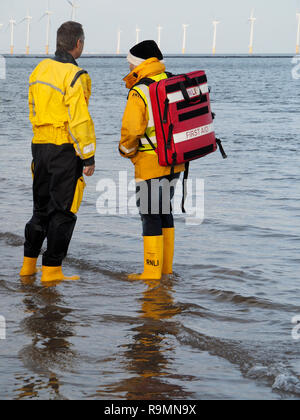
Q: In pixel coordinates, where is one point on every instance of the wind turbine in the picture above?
(74, 7)
(252, 21)
(184, 37)
(137, 35)
(48, 14)
(159, 29)
(298, 35)
(12, 24)
(28, 19)
(215, 24)
(119, 42)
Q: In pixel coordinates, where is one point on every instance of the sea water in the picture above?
(225, 324)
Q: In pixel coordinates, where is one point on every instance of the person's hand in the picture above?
(89, 170)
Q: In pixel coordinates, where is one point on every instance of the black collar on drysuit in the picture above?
(65, 57)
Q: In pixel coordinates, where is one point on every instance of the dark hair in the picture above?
(68, 35)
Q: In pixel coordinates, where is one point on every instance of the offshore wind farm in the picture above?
(161, 32)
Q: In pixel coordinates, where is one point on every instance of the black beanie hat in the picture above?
(144, 51)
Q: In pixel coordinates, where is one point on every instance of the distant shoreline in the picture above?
(122, 56)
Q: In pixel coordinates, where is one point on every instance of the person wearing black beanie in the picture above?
(147, 66)
(143, 51)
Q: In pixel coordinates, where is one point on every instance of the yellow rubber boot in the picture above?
(169, 241)
(29, 267)
(53, 274)
(153, 259)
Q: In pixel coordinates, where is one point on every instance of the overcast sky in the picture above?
(275, 30)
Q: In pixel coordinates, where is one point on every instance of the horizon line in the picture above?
(169, 55)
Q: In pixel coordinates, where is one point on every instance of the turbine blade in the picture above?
(45, 14)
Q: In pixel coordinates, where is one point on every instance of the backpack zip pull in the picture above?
(170, 136)
(165, 118)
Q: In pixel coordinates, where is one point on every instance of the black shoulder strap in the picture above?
(146, 81)
(78, 74)
(150, 142)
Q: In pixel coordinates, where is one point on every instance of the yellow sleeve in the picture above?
(81, 126)
(31, 106)
(31, 101)
(134, 125)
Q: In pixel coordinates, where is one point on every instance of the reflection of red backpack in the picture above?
(183, 119)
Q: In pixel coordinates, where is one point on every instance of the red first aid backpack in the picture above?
(183, 118)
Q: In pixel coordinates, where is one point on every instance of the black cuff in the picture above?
(89, 162)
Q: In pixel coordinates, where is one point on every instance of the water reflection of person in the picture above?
(50, 350)
(148, 357)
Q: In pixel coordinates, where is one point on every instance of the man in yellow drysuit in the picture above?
(146, 62)
(63, 148)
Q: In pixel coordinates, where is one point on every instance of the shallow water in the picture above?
(221, 327)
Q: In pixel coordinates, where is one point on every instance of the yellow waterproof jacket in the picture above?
(136, 123)
(59, 93)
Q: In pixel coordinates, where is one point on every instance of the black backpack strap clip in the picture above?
(184, 189)
(222, 151)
